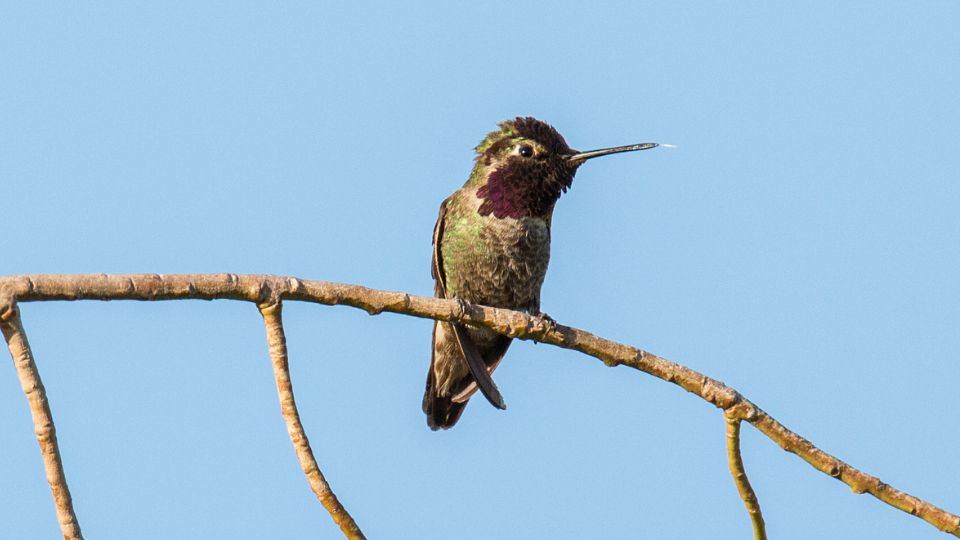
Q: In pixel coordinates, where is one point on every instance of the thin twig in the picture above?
(735, 460)
(42, 419)
(257, 288)
(277, 343)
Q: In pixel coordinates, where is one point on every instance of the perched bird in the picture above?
(491, 246)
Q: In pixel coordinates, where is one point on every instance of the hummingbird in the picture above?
(491, 246)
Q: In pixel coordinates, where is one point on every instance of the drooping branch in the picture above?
(257, 289)
(42, 419)
(735, 461)
(277, 344)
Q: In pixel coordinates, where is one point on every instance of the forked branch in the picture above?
(277, 343)
(260, 289)
(735, 461)
(42, 418)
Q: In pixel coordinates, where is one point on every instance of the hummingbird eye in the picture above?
(526, 151)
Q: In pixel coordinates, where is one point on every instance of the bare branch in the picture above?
(42, 418)
(735, 460)
(277, 344)
(256, 288)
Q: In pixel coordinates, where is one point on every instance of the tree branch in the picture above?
(277, 343)
(257, 289)
(735, 460)
(42, 418)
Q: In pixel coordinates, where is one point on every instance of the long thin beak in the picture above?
(583, 156)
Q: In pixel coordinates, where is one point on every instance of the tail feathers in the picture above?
(442, 412)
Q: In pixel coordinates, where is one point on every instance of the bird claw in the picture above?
(545, 321)
(464, 307)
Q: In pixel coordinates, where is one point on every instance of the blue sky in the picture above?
(801, 244)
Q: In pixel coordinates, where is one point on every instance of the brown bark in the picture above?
(43, 425)
(277, 344)
(739, 473)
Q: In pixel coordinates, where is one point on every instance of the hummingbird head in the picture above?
(523, 168)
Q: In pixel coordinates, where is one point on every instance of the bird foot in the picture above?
(464, 307)
(542, 320)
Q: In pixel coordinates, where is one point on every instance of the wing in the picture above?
(436, 265)
(478, 368)
(494, 356)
